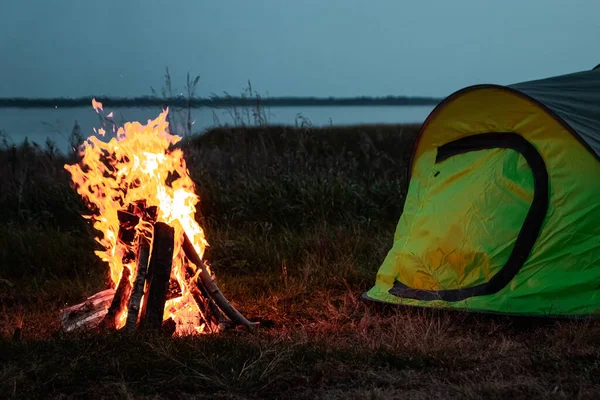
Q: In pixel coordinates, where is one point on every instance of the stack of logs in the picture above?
(154, 258)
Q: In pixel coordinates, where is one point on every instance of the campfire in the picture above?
(143, 204)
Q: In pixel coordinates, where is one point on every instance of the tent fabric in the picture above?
(501, 213)
(575, 98)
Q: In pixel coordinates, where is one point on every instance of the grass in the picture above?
(298, 220)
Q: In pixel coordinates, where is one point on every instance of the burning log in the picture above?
(126, 235)
(148, 216)
(212, 288)
(135, 298)
(119, 301)
(209, 310)
(159, 273)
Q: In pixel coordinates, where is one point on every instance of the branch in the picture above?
(212, 288)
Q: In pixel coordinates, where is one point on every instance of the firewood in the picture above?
(119, 301)
(208, 309)
(94, 312)
(140, 209)
(212, 288)
(133, 307)
(89, 314)
(159, 274)
(126, 235)
(129, 220)
(169, 326)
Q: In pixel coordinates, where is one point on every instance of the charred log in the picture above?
(159, 274)
(209, 311)
(126, 235)
(119, 301)
(169, 326)
(133, 308)
(141, 210)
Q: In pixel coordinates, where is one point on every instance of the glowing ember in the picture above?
(140, 164)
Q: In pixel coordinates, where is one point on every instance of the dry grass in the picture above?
(337, 348)
(298, 221)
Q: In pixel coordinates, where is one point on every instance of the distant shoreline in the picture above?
(217, 102)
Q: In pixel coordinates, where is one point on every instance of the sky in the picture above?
(73, 48)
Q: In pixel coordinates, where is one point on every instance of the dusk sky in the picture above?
(69, 48)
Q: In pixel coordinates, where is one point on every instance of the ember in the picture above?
(143, 204)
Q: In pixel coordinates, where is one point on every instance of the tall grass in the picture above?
(179, 118)
(259, 183)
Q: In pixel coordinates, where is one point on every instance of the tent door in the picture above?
(529, 230)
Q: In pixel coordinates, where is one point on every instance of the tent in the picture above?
(502, 213)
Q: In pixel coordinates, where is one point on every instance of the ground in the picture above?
(298, 222)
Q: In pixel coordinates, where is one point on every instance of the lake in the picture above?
(56, 123)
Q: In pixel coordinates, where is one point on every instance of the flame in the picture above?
(141, 163)
(97, 105)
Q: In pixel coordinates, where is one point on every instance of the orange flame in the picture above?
(97, 105)
(140, 163)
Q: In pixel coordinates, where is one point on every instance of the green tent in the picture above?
(502, 213)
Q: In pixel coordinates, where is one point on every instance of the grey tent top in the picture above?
(574, 99)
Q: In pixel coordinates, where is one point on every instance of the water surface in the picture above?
(56, 123)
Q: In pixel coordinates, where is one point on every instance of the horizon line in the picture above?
(214, 101)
